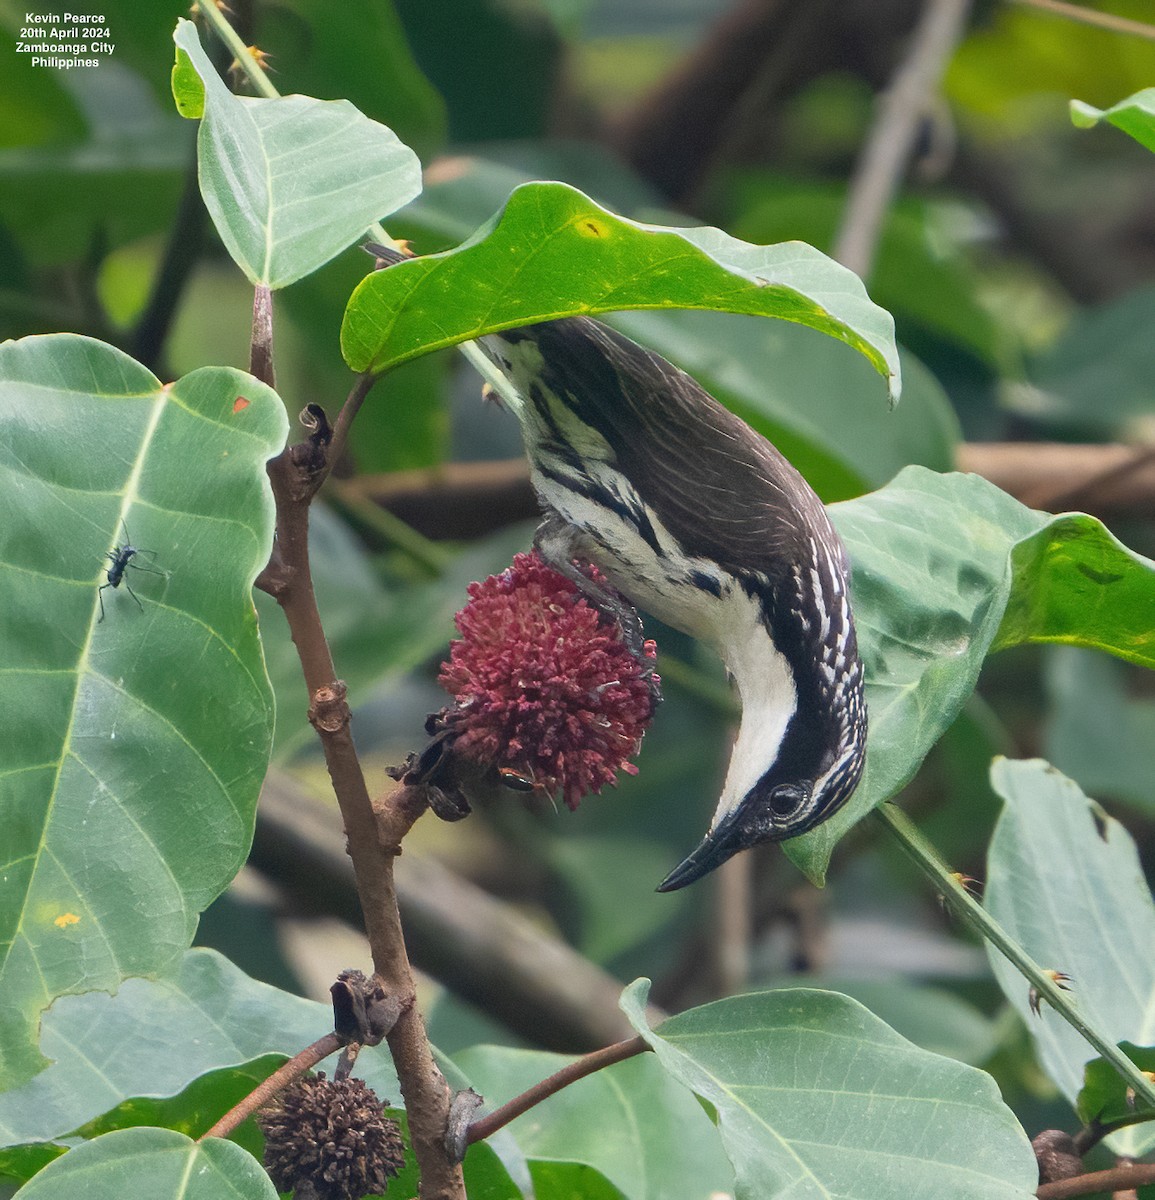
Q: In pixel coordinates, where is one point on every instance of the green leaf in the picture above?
(568, 1181)
(810, 396)
(291, 182)
(1099, 374)
(629, 1122)
(1097, 732)
(816, 1097)
(157, 1163)
(935, 1019)
(144, 737)
(552, 252)
(1066, 883)
(153, 1039)
(947, 568)
(1105, 1095)
(1134, 116)
(921, 274)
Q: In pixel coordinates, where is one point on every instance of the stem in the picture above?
(1090, 16)
(500, 1117)
(261, 341)
(276, 1082)
(901, 110)
(374, 833)
(928, 861)
(208, 9)
(1117, 1179)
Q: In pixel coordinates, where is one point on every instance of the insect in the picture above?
(121, 558)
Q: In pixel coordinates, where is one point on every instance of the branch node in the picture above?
(329, 712)
(363, 1011)
(461, 1109)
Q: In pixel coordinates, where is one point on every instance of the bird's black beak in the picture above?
(716, 847)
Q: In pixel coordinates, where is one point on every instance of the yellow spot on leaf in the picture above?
(65, 919)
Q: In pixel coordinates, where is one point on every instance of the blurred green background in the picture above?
(1018, 262)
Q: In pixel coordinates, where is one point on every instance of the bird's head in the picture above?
(801, 746)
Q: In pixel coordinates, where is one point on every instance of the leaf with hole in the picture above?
(130, 792)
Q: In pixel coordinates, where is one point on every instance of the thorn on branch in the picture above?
(329, 712)
(1035, 1000)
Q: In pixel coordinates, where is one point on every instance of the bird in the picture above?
(699, 520)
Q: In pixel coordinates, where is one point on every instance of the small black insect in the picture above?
(121, 558)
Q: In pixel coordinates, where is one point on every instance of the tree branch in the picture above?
(276, 1083)
(1091, 16)
(488, 1125)
(1117, 1179)
(901, 111)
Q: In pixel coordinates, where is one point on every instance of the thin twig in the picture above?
(261, 341)
(1090, 16)
(1117, 1179)
(1091, 1135)
(901, 110)
(349, 410)
(276, 1083)
(500, 1117)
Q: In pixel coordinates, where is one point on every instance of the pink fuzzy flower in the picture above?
(547, 691)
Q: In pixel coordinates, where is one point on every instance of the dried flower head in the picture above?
(549, 694)
(331, 1139)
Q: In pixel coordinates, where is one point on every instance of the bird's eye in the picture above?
(785, 801)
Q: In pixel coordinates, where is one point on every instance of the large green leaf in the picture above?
(1065, 881)
(552, 252)
(816, 1097)
(289, 182)
(1097, 732)
(157, 1163)
(1099, 374)
(630, 1122)
(130, 789)
(154, 1037)
(1135, 115)
(947, 568)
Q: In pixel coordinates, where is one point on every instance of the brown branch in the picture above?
(901, 112)
(276, 1083)
(500, 1117)
(1090, 16)
(1102, 480)
(261, 342)
(1117, 1179)
(374, 832)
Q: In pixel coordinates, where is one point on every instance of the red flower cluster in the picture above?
(545, 683)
